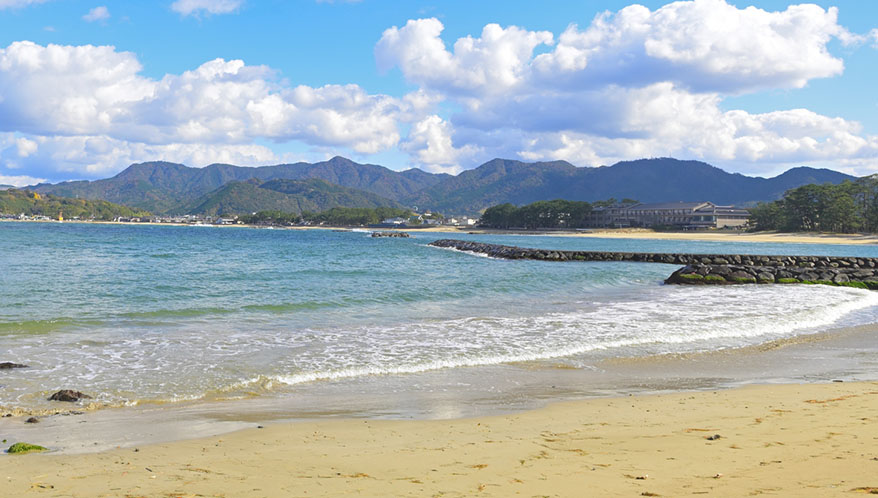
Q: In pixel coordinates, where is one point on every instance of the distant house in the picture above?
(394, 221)
(686, 215)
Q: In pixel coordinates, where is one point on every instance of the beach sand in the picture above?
(777, 440)
(707, 235)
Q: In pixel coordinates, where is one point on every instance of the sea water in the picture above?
(140, 315)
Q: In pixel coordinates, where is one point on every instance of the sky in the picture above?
(89, 87)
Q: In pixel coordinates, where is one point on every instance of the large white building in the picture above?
(688, 215)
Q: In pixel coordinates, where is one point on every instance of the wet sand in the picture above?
(785, 440)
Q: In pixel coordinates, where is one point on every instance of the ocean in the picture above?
(166, 315)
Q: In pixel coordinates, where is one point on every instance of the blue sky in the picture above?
(88, 87)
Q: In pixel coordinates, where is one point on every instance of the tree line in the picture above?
(340, 216)
(848, 207)
(558, 213)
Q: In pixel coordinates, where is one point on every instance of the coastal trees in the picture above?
(557, 213)
(844, 208)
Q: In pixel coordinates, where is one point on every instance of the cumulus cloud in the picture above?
(195, 7)
(633, 83)
(101, 156)
(496, 60)
(89, 91)
(430, 143)
(630, 84)
(101, 13)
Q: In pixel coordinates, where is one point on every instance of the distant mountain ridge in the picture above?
(164, 187)
(174, 188)
(290, 196)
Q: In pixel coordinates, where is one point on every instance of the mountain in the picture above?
(174, 188)
(165, 187)
(647, 180)
(6, 187)
(291, 196)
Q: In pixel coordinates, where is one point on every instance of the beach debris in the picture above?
(717, 475)
(647, 493)
(872, 490)
(21, 448)
(8, 365)
(713, 438)
(638, 478)
(68, 395)
(32, 420)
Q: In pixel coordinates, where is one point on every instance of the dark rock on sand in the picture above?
(68, 395)
(32, 420)
(7, 365)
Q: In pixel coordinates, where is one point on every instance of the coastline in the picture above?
(802, 440)
(608, 233)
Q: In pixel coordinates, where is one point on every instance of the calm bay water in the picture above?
(135, 314)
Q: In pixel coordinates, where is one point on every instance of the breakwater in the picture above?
(707, 269)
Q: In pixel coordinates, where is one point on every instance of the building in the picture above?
(685, 215)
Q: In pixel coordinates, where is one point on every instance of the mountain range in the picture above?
(290, 196)
(163, 187)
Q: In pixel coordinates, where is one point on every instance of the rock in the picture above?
(403, 235)
(7, 365)
(32, 420)
(20, 448)
(765, 278)
(68, 395)
(841, 278)
(741, 277)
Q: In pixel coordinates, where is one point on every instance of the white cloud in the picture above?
(195, 7)
(102, 156)
(631, 84)
(14, 4)
(430, 143)
(91, 90)
(25, 147)
(88, 91)
(498, 60)
(20, 180)
(97, 14)
(705, 45)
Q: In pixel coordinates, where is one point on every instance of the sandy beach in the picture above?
(707, 235)
(780, 440)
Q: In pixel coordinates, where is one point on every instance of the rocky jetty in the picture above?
(402, 235)
(705, 269)
(700, 274)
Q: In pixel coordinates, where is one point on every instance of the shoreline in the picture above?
(609, 233)
(791, 439)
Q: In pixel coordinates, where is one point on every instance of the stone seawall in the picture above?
(707, 269)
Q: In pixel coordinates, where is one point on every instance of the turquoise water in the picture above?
(139, 314)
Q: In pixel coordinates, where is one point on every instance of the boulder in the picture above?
(765, 278)
(68, 395)
(403, 235)
(7, 365)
